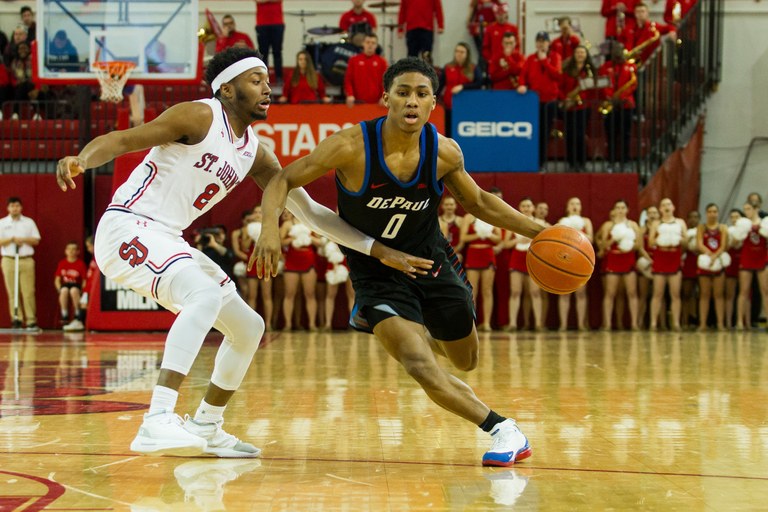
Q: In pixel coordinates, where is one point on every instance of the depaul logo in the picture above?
(520, 129)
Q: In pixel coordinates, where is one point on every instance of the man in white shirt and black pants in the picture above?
(19, 233)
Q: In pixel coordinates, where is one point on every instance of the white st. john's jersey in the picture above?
(176, 183)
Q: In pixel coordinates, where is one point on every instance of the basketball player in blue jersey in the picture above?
(390, 176)
(200, 151)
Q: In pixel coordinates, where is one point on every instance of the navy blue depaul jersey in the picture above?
(400, 215)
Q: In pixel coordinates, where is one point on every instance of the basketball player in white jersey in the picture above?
(200, 151)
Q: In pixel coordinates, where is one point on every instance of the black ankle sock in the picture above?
(491, 421)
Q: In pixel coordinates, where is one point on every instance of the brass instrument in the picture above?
(206, 34)
(574, 96)
(606, 107)
(632, 55)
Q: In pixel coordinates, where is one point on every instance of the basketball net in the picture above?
(112, 77)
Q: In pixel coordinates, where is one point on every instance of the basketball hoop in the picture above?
(112, 77)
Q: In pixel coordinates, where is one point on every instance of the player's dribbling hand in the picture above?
(404, 262)
(67, 168)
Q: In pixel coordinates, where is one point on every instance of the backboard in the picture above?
(159, 36)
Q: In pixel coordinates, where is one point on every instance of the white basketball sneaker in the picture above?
(163, 433)
(509, 445)
(219, 442)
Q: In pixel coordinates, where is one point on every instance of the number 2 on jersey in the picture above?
(204, 198)
(394, 225)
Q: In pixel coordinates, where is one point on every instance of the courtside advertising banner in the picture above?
(292, 131)
(498, 131)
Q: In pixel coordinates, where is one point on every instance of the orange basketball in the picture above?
(560, 259)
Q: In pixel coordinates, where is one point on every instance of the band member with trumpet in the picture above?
(576, 105)
(619, 16)
(676, 10)
(643, 38)
(618, 104)
(568, 40)
(541, 73)
(504, 70)
(357, 14)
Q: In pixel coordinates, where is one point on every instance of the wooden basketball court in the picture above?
(617, 421)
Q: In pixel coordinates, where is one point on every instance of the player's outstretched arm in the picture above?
(187, 123)
(483, 205)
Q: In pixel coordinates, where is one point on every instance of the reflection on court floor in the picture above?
(616, 421)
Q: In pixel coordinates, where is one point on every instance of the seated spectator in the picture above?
(21, 80)
(363, 81)
(458, 75)
(496, 30)
(230, 36)
(91, 275)
(69, 280)
(357, 22)
(62, 54)
(28, 20)
(504, 70)
(305, 84)
(568, 40)
(19, 36)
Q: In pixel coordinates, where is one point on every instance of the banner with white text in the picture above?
(498, 131)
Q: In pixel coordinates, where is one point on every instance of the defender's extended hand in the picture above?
(266, 254)
(406, 263)
(67, 168)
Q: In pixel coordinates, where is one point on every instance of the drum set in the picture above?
(331, 48)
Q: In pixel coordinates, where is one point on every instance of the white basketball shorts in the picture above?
(144, 255)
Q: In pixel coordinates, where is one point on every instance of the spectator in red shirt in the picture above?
(481, 14)
(357, 20)
(69, 280)
(619, 16)
(417, 19)
(496, 30)
(676, 10)
(504, 70)
(541, 73)
(270, 31)
(618, 105)
(230, 36)
(91, 275)
(305, 84)
(565, 44)
(459, 75)
(364, 79)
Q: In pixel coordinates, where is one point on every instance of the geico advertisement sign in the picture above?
(293, 139)
(520, 129)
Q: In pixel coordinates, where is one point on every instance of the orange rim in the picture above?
(115, 67)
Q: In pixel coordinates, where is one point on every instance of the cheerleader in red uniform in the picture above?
(299, 265)
(618, 239)
(518, 273)
(450, 224)
(754, 253)
(335, 272)
(712, 242)
(690, 269)
(574, 219)
(732, 270)
(479, 239)
(242, 246)
(669, 237)
(643, 266)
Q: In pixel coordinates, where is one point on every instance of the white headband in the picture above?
(235, 69)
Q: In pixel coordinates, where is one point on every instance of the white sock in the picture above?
(208, 413)
(163, 399)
